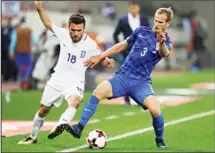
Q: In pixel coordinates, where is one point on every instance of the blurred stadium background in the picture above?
(190, 68)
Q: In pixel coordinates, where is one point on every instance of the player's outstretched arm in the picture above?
(92, 61)
(43, 15)
(117, 48)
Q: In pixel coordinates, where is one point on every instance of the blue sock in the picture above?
(89, 110)
(158, 124)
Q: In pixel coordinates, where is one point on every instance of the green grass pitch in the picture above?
(195, 135)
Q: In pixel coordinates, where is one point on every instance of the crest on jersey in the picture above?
(83, 54)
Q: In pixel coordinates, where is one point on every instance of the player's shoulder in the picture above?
(89, 40)
(145, 29)
(60, 29)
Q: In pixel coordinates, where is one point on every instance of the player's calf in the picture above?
(158, 120)
(73, 102)
(43, 111)
(37, 124)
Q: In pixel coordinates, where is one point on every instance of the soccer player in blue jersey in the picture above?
(149, 46)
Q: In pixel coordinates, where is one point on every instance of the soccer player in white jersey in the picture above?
(68, 80)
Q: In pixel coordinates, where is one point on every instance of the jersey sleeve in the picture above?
(59, 32)
(132, 38)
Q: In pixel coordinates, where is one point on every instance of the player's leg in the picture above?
(157, 119)
(50, 96)
(73, 103)
(145, 96)
(103, 90)
(38, 122)
(112, 88)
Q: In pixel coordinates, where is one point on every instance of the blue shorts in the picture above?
(137, 90)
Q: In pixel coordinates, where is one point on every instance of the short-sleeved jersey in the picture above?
(143, 55)
(72, 55)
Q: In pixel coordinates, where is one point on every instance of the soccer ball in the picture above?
(96, 139)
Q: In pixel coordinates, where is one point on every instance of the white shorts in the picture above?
(54, 95)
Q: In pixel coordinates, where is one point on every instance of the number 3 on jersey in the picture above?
(143, 53)
(71, 58)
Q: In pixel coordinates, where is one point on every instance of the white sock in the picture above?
(37, 124)
(67, 116)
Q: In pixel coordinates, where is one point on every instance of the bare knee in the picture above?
(99, 94)
(155, 112)
(43, 111)
(74, 101)
(103, 90)
(153, 105)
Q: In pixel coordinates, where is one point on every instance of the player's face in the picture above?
(134, 9)
(76, 31)
(160, 22)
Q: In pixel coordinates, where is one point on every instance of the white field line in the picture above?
(173, 122)
(112, 117)
(94, 121)
(129, 113)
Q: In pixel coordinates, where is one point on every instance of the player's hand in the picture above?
(161, 36)
(38, 4)
(108, 62)
(92, 61)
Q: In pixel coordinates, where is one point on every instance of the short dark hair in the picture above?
(77, 19)
(132, 2)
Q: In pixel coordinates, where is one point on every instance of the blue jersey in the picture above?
(143, 55)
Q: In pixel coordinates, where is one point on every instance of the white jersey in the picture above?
(70, 69)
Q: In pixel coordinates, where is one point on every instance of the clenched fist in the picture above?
(108, 62)
(161, 36)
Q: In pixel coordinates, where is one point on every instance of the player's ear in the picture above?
(168, 23)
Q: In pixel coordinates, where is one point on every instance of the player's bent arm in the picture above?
(163, 50)
(44, 16)
(117, 48)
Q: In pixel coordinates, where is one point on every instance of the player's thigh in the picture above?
(141, 91)
(51, 96)
(118, 87)
(103, 90)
